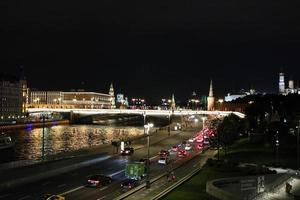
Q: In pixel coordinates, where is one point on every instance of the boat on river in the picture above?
(5, 142)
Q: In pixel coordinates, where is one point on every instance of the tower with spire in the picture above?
(281, 83)
(173, 103)
(211, 98)
(112, 94)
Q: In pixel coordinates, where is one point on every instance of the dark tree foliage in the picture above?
(229, 130)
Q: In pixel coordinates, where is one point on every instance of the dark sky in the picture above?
(150, 48)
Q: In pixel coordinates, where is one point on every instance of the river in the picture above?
(62, 138)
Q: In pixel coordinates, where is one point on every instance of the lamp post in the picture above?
(298, 144)
(277, 147)
(169, 127)
(43, 139)
(148, 126)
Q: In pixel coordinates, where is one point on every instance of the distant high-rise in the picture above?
(211, 98)
(281, 83)
(112, 94)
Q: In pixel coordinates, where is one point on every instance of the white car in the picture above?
(163, 161)
(188, 147)
(192, 140)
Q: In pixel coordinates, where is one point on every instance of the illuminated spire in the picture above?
(211, 91)
(173, 103)
(112, 94)
(211, 98)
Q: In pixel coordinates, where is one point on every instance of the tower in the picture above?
(211, 98)
(24, 89)
(112, 94)
(173, 103)
(281, 83)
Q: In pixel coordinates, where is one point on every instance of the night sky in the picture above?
(150, 48)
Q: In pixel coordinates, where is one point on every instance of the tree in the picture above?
(229, 130)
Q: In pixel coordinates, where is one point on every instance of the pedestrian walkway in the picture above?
(281, 194)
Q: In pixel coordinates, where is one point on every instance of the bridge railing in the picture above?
(137, 111)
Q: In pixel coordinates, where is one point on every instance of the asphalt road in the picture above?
(73, 184)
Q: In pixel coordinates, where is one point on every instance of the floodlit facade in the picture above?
(73, 99)
(11, 98)
(291, 89)
(211, 98)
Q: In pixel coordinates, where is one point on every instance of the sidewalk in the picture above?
(15, 177)
(281, 194)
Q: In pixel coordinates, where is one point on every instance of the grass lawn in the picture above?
(242, 151)
(195, 188)
(247, 151)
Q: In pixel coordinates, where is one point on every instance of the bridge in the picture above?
(86, 112)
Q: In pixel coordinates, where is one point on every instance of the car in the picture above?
(199, 140)
(206, 141)
(52, 197)
(164, 153)
(127, 151)
(98, 180)
(128, 184)
(188, 147)
(200, 146)
(192, 139)
(175, 149)
(182, 153)
(163, 161)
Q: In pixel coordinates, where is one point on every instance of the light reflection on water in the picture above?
(59, 139)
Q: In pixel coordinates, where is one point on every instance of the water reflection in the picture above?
(59, 139)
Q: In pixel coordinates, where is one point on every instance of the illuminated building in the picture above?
(211, 98)
(291, 86)
(112, 94)
(11, 97)
(138, 103)
(194, 102)
(87, 100)
(122, 101)
(173, 103)
(165, 104)
(281, 83)
(74, 99)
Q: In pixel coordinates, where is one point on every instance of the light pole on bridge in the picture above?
(148, 126)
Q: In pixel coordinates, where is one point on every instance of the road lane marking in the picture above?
(62, 185)
(153, 158)
(26, 197)
(116, 173)
(73, 190)
(102, 198)
(104, 188)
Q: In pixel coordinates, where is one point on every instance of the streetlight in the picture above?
(298, 144)
(43, 139)
(169, 127)
(148, 126)
(277, 147)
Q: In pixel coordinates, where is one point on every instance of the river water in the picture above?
(63, 138)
